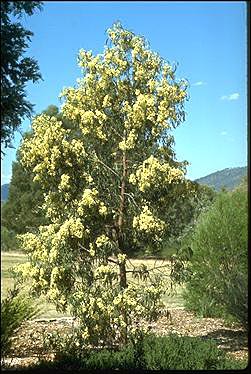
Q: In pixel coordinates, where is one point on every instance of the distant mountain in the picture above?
(4, 192)
(228, 178)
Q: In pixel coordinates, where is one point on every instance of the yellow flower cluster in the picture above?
(29, 242)
(121, 258)
(55, 275)
(72, 227)
(46, 149)
(64, 184)
(90, 122)
(48, 132)
(147, 223)
(102, 241)
(144, 108)
(129, 142)
(104, 270)
(169, 96)
(53, 294)
(107, 101)
(153, 173)
(90, 199)
(84, 57)
(118, 299)
(102, 209)
(26, 270)
(115, 60)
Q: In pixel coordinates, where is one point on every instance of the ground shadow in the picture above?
(229, 340)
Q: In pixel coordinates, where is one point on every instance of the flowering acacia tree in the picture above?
(105, 179)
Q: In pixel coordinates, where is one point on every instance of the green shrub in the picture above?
(149, 352)
(217, 286)
(15, 309)
(184, 353)
(70, 349)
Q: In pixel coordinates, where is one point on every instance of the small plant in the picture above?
(15, 309)
(64, 346)
(137, 346)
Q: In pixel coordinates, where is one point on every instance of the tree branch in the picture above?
(106, 166)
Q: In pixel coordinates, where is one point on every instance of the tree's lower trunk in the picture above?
(123, 285)
(122, 273)
(122, 266)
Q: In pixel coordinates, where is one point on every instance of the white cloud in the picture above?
(234, 96)
(199, 83)
(223, 133)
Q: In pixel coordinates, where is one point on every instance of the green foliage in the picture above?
(16, 70)
(243, 185)
(8, 240)
(182, 353)
(72, 350)
(186, 208)
(53, 111)
(15, 309)
(145, 351)
(219, 266)
(22, 211)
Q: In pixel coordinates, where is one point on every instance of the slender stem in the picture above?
(106, 166)
(114, 262)
(120, 239)
(147, 270)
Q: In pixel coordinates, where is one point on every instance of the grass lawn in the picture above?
(10, 259)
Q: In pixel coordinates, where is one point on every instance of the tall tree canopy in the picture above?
(16, 70)
(105, 179)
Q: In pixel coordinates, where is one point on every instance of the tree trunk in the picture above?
(120, 237)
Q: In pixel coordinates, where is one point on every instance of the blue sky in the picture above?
(207, 39)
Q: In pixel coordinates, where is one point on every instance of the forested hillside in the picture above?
(228, 178)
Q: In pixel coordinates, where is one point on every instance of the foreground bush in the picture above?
(149, 352)
(185, 353)
(15, 309)
(219, 265)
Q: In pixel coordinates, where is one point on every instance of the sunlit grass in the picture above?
(11, 259)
